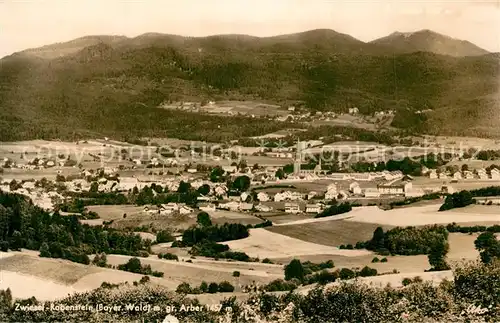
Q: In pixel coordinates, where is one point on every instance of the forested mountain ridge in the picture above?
(111, 85)
(429, 41)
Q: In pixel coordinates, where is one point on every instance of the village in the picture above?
(303, 189)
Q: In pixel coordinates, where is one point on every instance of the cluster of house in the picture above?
(169, 208)
(34, 163)
(41, 198)
(459, 175)
(384, 113)
(294, 115)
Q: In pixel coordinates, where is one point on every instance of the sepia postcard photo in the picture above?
(293, 161)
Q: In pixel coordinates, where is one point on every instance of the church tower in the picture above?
(298, 158)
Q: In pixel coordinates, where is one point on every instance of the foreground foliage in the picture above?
(473, 296)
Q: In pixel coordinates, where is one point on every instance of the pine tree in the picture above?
(294, 270)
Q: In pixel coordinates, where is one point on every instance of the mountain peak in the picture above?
(426, 40)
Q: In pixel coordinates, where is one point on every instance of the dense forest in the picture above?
(114, 90)
(24, 225)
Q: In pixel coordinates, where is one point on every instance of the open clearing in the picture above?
(194, 273)
(221, 217)
(28, 275)
(114, 212)
(48, 279)
(25, 286)
(461, 249)
(57, 270)
(329, 233)
(265, 244)
(421, 215)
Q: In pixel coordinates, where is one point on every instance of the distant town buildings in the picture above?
(293, 208)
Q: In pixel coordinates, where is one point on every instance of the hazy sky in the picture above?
(26, 24)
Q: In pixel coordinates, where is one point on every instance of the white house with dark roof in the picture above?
(206, 207)
(495, 174)
(314, 208)
(354, 188)
(293, 208)
(394, 188)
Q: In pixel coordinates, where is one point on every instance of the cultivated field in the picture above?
(421, 215)
(265, 244)
(466, 184)
(36, 174)
(28, 275)
(221, 217)
(177, 272)
(461, 249)
(330, 233)
(115, 212)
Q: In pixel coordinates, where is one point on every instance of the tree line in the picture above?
(24, 225)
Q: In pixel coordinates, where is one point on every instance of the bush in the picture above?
(383, 259)
(144, 279)
(346, 273)
(183, 288)
(213, 288)
(375, 259)
(99, 260)
(225, 287)
(266, 261)
(164, 236)
(204, 287)
(406, 281)
(157, 274)
(323, 277)
(367, 272)
(279, 285)
(168, 256)
(107, 285)
(236, 274)
(417, 279)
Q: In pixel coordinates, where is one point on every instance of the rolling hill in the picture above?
(111, 85)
